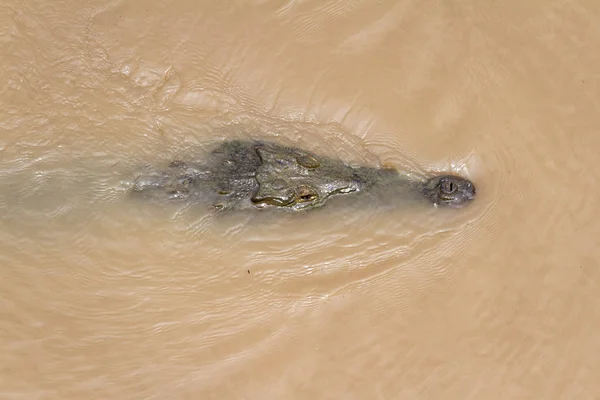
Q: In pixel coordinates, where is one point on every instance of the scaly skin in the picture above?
(259, 175)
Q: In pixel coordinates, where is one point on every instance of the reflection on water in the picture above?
(110, 297)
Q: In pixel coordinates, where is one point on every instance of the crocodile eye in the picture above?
(448, 187)
(307, 161)
(305, 194)
(307, 197)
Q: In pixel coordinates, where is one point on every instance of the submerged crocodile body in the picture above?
(261, 175)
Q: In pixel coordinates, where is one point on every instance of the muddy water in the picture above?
(103, 297)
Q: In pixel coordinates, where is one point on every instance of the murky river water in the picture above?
(104, 297)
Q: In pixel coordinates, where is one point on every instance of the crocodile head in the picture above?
(298, 180)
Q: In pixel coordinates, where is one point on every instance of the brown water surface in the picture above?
(102, 297)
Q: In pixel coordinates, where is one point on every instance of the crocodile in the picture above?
(264, 175)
